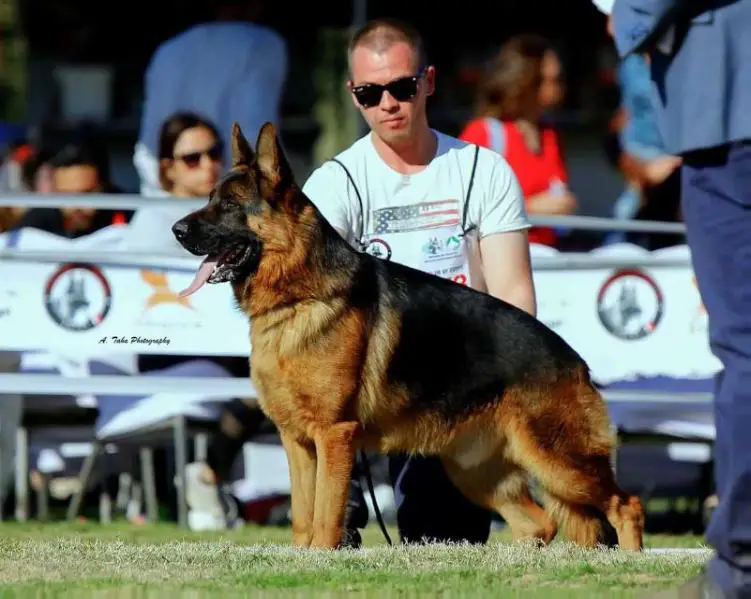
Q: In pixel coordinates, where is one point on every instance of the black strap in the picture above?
(469, 192)
(376, 509)
(359, 200)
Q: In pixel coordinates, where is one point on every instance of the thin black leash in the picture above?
(369, 480)
(363, 457)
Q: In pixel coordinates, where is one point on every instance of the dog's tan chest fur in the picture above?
(288, 348)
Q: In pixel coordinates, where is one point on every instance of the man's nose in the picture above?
(180, 229)
(388, 102)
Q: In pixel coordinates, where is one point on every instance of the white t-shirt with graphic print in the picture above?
(393, 202)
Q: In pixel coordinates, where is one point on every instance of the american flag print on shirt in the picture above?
(416, 217)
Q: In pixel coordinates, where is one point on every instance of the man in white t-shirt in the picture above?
(410, 194)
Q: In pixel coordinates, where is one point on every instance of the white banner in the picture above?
(77, 308)
(644, 318)
(641, 318)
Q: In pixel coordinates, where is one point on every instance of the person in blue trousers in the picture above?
(699, 53)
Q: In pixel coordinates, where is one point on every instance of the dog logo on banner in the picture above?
(78, 297)
(630, 305)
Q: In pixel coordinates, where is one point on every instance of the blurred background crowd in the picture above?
(93, 96)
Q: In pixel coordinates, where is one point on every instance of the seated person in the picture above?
(33, 176)
(190, 163)
(78, 168)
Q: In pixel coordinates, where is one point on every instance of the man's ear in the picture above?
(350, 85)
(270, 159)
(429, 79)
(242, 153)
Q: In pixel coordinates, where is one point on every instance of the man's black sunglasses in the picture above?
(403, 89)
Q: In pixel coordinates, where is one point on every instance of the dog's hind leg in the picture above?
(302, 476)
(502, 487)
(514, 502)
(568, 451)
(582, 524)
(335, 452)
(582, 495)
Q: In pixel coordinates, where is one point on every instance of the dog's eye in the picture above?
(229, 201)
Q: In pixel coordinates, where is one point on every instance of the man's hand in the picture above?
(659, 169)
(642, 172)
(552, 203)
(567, 204)
(507, 269)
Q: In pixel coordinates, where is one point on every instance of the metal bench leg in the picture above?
(12, 414)
(22, 474)
(105, 507)
(43, 497)
(181, 461)
(88, 466)
(201, 444)
(149, 483)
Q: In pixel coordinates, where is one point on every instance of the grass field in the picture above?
(125, 561)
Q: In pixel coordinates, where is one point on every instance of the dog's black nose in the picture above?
(180, 229)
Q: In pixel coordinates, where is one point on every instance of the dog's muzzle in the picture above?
(229, 257)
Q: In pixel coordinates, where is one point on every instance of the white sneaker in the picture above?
(207, 509)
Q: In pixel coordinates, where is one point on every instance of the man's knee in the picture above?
(238, 422)
(430, 507)
(240, 418)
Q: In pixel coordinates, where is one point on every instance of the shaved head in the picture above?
(380, 35)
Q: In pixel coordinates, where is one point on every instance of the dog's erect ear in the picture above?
(242, 153)
(271, 161)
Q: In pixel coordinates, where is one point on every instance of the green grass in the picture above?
(128, 562)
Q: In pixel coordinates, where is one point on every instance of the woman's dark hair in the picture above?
(513, 79)
(81, 153)
(83, 150)
(172, 129)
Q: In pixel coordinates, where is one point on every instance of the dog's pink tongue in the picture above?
(203, 274)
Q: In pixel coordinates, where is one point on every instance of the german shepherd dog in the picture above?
(353, 352)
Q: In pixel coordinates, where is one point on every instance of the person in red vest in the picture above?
(523, 82)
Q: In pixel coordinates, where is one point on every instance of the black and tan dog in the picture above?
(350, 351)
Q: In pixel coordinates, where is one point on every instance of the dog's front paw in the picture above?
(351, 539)
(301, 538)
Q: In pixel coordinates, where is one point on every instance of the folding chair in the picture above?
(151, 420)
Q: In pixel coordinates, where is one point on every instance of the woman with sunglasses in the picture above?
(190, 163)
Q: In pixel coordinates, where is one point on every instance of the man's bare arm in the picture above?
(507, 269)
